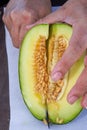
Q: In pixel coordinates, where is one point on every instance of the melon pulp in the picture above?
(41, 48)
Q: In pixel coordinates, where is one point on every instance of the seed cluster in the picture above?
(48, 89)
(40, 68)
(59, 45)
(62, 46)
(54, 90)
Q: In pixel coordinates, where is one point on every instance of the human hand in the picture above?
(73, 12)
(20, 13)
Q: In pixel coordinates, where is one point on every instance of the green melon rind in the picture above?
(44, 29)
(43, 116)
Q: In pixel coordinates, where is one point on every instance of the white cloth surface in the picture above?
(20, 117)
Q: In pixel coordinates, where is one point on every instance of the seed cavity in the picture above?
(58, 46)
(44, 61)
(40, 68)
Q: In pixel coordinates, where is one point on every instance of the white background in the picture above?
(21, 118)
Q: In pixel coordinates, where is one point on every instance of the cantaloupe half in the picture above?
(42, 47)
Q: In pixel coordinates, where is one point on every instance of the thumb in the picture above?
(56, 16)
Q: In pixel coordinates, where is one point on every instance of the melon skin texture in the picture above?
(59, 110)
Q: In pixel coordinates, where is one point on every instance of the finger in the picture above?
(70, 56)
(15, 35)
(58, 15)
(23, 29)
(22, 33)
(28, 18)
(84, 101)
(15, 28)
(80, 88)
(85, 61)
(7, 21)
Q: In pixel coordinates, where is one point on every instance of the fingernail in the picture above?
(72, 99)
(56, 76)
(84, 102)
(29, 26)
(86, 107)
(85, 61)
